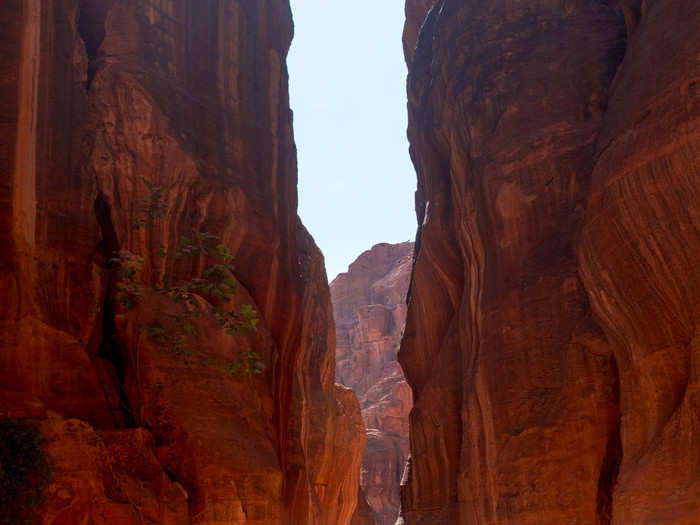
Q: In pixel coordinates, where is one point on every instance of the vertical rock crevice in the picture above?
(92, 16)
(110, 348)
(610, 467)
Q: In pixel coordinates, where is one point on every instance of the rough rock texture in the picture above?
(369, 305)
(551, 332)
(98, 96)
(109, 477)
(640, 262)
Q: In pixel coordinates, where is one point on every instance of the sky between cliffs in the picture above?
(348, 94)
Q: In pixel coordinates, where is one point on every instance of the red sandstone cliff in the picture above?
(551, 338)
(98, 96)
(369, 306)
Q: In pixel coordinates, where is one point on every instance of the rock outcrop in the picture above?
(551, 338)
(124, 126)
(369, 305)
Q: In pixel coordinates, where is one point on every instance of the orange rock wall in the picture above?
(369, 306)
(550, 339)
(98, 95)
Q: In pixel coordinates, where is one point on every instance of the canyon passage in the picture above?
(171, 351)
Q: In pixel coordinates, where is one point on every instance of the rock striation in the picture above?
(369, 306)
(551, 337)
(102, 101)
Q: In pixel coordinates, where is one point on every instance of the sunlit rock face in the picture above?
(369, 305)
(99, 96)
(551, 331)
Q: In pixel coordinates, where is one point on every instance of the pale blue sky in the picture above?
(348, 93)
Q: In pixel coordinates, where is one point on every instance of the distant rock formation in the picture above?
(552, 338)
(369, 305)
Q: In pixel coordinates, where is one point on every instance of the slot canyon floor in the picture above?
(171, 352)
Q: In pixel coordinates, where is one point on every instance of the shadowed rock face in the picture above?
(96, 97)
(369, 306)
(551, 332)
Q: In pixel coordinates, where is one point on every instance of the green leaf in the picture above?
(223, 251)
(248, 311)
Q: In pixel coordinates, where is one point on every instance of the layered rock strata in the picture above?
(102, 101)
(551, 331)
(369, 306)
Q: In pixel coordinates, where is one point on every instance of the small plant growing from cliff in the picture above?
(210, 290)
(128, 267)
(24, 471)
(152, 207)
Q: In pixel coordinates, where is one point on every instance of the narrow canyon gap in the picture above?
(369, 307)
(348, 94)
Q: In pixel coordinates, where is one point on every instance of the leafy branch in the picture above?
(152, 207)
(214, 283)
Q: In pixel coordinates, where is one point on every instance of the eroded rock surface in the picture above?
(369, 305)
(99, 98)
(551, 332)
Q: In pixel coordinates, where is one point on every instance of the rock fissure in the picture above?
(91, 28)
(110, 348)
(610, 467)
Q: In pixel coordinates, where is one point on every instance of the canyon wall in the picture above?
(551, 338)
(129, 128)
(369, 306)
